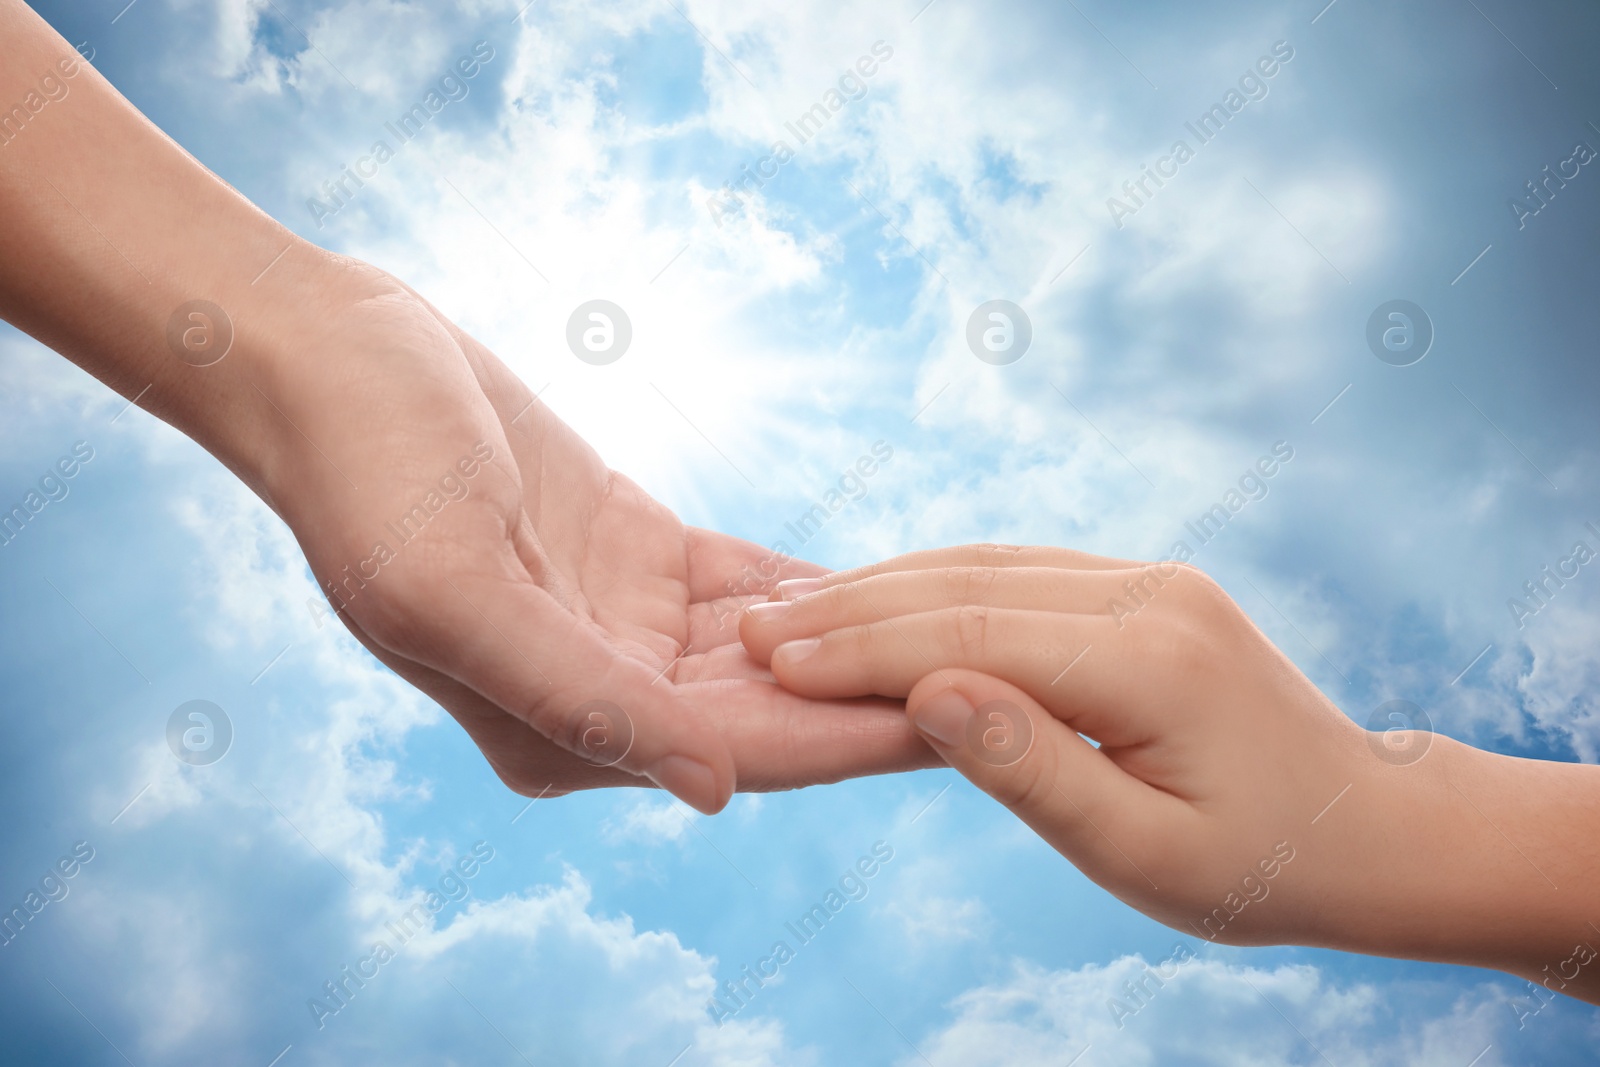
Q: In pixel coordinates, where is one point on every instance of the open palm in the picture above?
(554, 583)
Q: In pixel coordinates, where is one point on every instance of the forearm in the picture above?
(111, 228)
(1485, 860)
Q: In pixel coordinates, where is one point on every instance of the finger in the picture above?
(524, 759)
(965, 556)
(716, 622)
(783, 741)
(722, 566)
(778, 740)
(482, 621)
(725, 575)
(1079, 666)
(819, 743)
(1108, 823)
(764, 626)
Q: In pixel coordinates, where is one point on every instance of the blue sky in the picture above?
(826, 313)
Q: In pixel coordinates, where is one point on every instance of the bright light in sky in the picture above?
(799, 209)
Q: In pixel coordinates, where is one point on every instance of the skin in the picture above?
(1217, 759)
(343, 401)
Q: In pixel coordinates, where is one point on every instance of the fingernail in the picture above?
(687, 779)
(944, 718)
(798, 587)
(771, 611)
(792, 652)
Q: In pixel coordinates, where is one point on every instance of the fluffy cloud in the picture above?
(1204, 1012)
(827, 312)
(304, 802)
(1558, 684)
(650, 821)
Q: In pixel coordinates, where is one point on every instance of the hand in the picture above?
(552, 582)
(465, 535)
(1227, 797)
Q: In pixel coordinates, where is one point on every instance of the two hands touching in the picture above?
(1175, 756)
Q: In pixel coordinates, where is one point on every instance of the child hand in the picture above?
(1227, 798)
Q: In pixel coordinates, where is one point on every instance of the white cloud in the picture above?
(993, 161)
(1209, 1012)
(309, 798)
(36, 382)
(234, 53)
(929, 918)
(649, 821)
(1558, 686)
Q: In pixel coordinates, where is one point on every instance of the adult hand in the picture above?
(553, 582)
(1135, 717)
(466, 536)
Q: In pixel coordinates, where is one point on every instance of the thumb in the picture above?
(1008, 745)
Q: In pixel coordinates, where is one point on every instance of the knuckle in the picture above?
(971, 630)
(991, 554)
(1198, 595)
(969, 585)
(862, 642)
(1028, 786)
(1024, 788)
(1186, 644)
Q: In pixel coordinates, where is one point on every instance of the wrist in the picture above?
(130, 258)
(1535, 863)
(1468, 857)
(250, 347)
